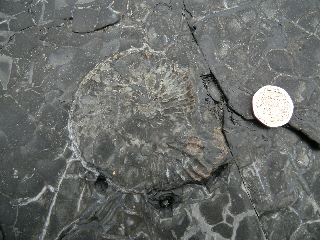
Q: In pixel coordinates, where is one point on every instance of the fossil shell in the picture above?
(137, 119)
(272, 106)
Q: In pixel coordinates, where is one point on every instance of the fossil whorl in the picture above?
(136, 118)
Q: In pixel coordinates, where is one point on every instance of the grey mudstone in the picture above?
(283, 224)
(138, 120)
(84, 20)
(212, 210)
(88, 18)
(198, 211)
(308, 231)
(5, 70)
(107, 17)
(20, 21)
(5, 35)
(55, 181)
(12, 8)
(239, 43)
(279, 171)
(249, 228)
(223, 229)
(280, 61)
(23, 43)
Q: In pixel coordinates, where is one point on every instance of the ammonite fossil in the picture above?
(137, 118)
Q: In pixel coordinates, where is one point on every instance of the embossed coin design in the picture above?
(136, 118)
(272, 106)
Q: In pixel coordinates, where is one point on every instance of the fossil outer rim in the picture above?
(137, 119)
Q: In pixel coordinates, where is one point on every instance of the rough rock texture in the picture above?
(53, 188)
(144, 124)
(280, 169)
(255, 43)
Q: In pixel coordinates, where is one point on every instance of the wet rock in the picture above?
(97, 15)
(278, 173)
(230, 49)
(52, 187)
(20, 21)
(150, 134)
(249, 229)
(84, 20)
(5, 70)
(223, 229)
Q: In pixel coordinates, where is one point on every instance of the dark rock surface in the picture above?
(142, 121)
(266, 185)
(257, 43)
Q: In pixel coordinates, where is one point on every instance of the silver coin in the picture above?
(272, 106)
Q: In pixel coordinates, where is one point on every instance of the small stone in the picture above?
(272, 106)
